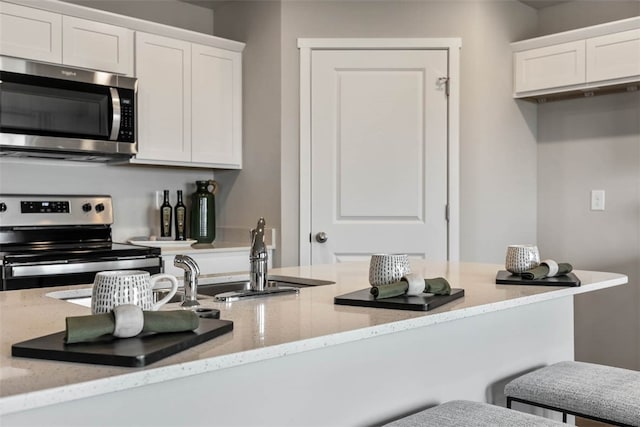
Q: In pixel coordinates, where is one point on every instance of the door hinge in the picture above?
(309, 237)
(446, 212)
(444, 81)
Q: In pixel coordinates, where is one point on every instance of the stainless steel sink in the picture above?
(276, 285)
(241, 289)
(210, 288)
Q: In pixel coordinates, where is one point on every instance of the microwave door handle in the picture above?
(115, 123)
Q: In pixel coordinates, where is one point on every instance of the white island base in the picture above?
(362, 382)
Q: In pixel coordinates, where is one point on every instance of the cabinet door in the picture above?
(550, 67)
(217, 106)
(163, 69)
(98, 46)
(30, 33)
(613, 56)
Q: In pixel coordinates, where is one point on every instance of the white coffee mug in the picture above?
(113, 288)
(521, 258)
(388, 268)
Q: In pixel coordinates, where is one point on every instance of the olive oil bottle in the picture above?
(165, 216)
(180, 211)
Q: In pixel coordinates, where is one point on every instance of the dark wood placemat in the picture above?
(137, 351)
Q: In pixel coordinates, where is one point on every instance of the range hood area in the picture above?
(55, 148)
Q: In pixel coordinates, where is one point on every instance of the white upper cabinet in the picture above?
(46, 36)
(217, 106)
(30, 33)
(600, 59)
(90, 44)
(190, 103)
(550, 67)
(614, 56)
(163, 69)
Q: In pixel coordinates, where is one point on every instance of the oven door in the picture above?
(39, 275)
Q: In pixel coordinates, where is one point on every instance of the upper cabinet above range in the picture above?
(95, 45)
(47, 36)
(585, 62)
(30, 33)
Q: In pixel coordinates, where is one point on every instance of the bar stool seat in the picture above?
(602, 393)
(457, 413)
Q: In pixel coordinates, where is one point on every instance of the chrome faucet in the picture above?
(191, 273)
(258, 258)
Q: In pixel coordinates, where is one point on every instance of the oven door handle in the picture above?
(82, 267)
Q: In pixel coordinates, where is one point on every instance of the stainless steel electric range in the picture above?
(55, 240)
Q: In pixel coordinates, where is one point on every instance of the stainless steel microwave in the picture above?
(54, 111)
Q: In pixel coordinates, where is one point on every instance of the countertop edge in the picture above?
(31, 400)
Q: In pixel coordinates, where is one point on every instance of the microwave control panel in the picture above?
(127, 116)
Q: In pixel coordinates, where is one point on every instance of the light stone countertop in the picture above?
(263, 328)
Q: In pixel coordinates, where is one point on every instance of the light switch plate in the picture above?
(597, 200)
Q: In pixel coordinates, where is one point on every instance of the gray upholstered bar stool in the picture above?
(602, 393)
(463, 413)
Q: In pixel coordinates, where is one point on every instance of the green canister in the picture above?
(203, 212)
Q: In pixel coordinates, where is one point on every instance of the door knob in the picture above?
(321, 237)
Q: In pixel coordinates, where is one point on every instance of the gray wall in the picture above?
(255, 191)
(169, 12)
(587, 144)
(498, 149)
(132, 187)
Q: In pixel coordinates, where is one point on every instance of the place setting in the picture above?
(126, 326)
(523, 267)
(394, 286)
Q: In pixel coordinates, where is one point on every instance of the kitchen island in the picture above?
(300, 359)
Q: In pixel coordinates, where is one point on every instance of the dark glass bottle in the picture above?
(165, 216)
(203, 212)
(180, 217)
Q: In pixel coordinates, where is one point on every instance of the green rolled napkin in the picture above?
(541, 271)
(438, 286)
(89, 328)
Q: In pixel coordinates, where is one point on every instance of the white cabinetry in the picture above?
(97, 46)
(216, 106)
(550, 67)
(613, 56)
(189, 96)
(163, 69)
(30, 33)
(41, 35)
(189, 84)
(599, 59)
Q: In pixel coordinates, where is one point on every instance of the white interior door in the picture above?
(378, 121)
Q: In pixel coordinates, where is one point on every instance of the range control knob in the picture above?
(99, 207)
(86, 207)
(3, 207)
